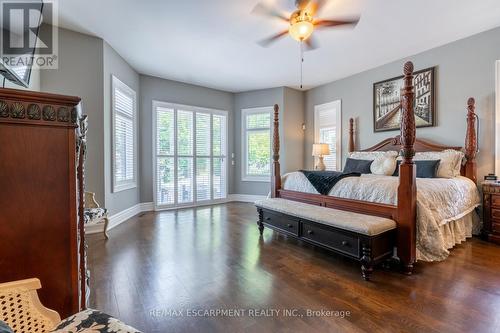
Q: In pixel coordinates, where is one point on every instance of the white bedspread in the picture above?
(440, 201)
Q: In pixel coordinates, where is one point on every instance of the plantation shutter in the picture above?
(124, 100)
(190, 154)
(165, 152)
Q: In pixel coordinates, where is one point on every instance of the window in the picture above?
(190, 159)
(328, 129)
(124, 136)
(256, 144)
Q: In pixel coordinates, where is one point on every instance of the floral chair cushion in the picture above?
(4, 328)
(92, 321)
(92, 214)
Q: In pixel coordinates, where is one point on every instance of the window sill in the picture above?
(256, 179)
(124, 187)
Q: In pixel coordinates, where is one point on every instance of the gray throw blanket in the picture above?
(324, 181)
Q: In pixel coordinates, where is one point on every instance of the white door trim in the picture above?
(337, 104)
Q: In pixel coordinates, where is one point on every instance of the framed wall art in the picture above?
(386, 98)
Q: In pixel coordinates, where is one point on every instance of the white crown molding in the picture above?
(125, 215)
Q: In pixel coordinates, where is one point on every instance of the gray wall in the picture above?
(465, 68)
(291, 103)
(293, 135)
(245, 100)
(114, 64)
(80, 74)
(153, 88)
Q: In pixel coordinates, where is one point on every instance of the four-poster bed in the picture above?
(404, 211)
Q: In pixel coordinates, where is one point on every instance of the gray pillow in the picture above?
(354, 165)
(425, 168)
(4, 328)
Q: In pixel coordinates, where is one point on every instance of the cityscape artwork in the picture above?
(386, 101)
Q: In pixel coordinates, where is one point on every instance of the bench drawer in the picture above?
(282, 222)
(336, 240)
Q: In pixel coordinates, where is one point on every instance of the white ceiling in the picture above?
(212, 42)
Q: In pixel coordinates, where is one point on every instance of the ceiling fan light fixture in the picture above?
(301, 30)
(301, 25)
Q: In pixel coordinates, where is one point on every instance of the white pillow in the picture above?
(384, 164)
(371, 155)
(450, 161)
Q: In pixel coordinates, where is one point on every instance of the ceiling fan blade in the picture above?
(311, 43)
(301, 4)
(265, 10)
(267, 41)
(316, 5)
(334, 23)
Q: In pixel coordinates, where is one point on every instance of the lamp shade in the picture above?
(320, 149)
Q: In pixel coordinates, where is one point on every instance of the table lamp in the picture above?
(320, 150)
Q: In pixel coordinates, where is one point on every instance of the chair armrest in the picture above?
(34, 313)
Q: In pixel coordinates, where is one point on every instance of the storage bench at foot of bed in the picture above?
(368, 239)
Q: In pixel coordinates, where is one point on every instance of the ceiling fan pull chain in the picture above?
(301, 62)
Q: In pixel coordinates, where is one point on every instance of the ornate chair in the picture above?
(21, 309)
(95, 214)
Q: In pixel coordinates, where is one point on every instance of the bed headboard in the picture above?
(419, 146)
(470, 150)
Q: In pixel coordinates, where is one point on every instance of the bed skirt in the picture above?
(448, 235)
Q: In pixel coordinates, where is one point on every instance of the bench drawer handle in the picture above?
(310, 232)
(289, 226)
(345, 243)
(268, 219)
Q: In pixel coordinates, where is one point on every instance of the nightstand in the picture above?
(491, 211)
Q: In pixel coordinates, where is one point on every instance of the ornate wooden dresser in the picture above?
(42, 150)
(491, 211)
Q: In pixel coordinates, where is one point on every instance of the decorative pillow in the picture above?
(450, 161)
(425, 168)
(460, 159)
(371, 155)
(4, 328)
(355, 165)
(384, 164)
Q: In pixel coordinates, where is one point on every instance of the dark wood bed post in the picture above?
(276, 174)
(351, 135)
(407, 190)
(471, 141)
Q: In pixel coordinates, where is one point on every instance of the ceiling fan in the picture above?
(302, 22)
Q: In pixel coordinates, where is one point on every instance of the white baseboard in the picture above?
(128, 213)
(124, 215)
(119, 218)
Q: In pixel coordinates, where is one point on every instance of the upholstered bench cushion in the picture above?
(359, 223)
(93, 321)
(92, 214)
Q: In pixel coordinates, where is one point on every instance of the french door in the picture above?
(190, 145)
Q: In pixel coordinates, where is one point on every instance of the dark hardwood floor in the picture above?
(212, 258)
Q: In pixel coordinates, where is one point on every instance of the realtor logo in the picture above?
(29, 33)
